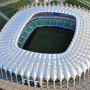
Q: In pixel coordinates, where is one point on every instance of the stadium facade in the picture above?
(31, 65)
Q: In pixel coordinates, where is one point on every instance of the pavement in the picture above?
(8, 85)
(12, 85)
(8, 2)
(4, 16)
(84, 2)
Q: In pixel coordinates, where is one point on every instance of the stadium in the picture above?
(46, 46)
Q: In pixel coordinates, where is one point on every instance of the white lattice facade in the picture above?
(74, 61)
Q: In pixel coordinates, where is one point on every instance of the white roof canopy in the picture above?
(72, 62)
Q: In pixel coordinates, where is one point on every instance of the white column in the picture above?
(54, 84)
(1, 72)
(47, 84)
(22, 81)
(67, 84)
(16, 79)
(60, 84)
(74, 82)
(34, 83)
(79, 79)
(88, 72)
(11, 76)
(84, 76)
(41, 83)
(28, 81)
(6, 74)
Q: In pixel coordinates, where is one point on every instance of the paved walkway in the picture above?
(4, 16)
(9, 85)
(84, 2)
(8, 2)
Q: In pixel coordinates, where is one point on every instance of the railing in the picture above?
(52, 17)
(36, 18)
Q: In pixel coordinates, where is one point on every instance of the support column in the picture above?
(22, 81)
(11, 76)
(74, 82)
(54, 84)
(28, 81)
(67, 84)
(47, 84)
(80, 79)
(60, 84)
(6, 74)
(16, 79)
(1, 72)
(88, 72)
(84, 76)
(41, 83)
(34, 83)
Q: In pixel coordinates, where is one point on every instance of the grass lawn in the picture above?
(10, 14)
(77, 3)
(73, 2)
(54, 2)
(1, 1)
(13, 6)
(9, 8)
(87, 0)
(2, 22)
(49, 40)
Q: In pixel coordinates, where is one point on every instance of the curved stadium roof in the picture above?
(74, 61)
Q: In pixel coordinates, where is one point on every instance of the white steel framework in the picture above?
(74, 61)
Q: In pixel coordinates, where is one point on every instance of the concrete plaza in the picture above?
(9, 85)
